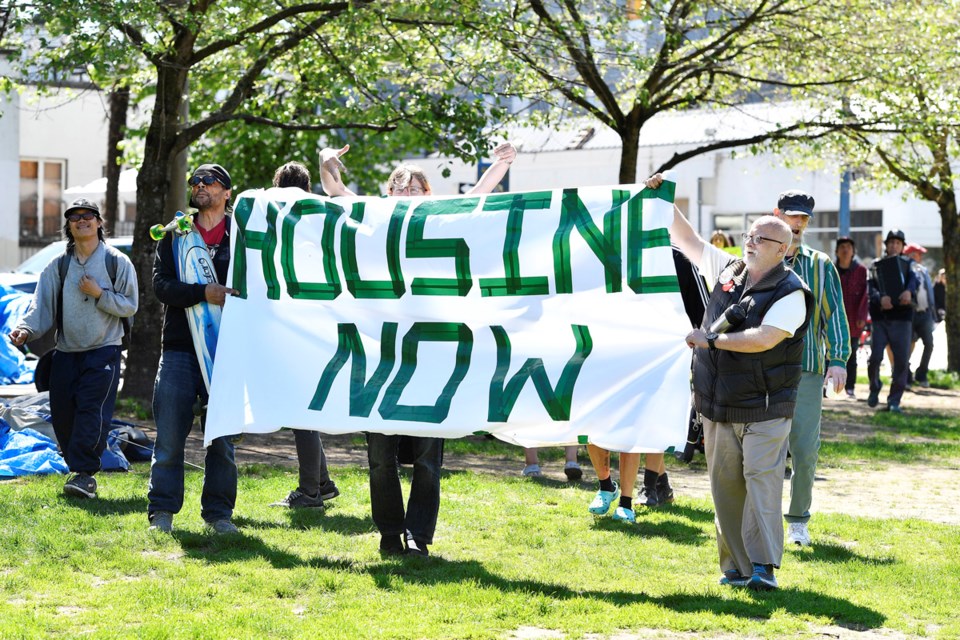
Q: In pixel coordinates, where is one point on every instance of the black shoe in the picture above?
(649, 497)
(391, 546)
(81, 485)
(328, 490)
(664, 490)
(787, 473)
(874, 398)
(416, 547)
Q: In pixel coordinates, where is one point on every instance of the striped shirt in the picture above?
(827, 343)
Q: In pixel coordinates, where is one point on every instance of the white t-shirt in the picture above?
(786, 313)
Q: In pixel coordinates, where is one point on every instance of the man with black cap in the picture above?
(893, 288)
(179, 385)
(826, 348)
(85, 293)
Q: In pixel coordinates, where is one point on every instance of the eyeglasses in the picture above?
(195, 180)
(409, 190)
(757, 240)
(77, 217)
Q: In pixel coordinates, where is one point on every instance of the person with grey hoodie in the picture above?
(86, 299)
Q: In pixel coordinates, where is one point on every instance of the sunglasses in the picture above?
(195, 180)
(77, 217)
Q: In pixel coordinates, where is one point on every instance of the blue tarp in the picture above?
(14, 368)
(28, 452)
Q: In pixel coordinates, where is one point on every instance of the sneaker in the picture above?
(573, 471)
(161, 521)
(664, 490)
(733, 578)
(602, 501)
(531, 471)
(762, 578)
(223, 526)
(416, 547)
(924, 384)
(798, 534)
(391, 545)
(299, 500)
(81, 485)
(329, 491)
(649, 496)
(874, 398)
(624, 515)
(787, 473)
(851, 394)
(894, 408)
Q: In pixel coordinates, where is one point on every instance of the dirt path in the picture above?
(893, 491)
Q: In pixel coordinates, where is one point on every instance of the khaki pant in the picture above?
(746, 462)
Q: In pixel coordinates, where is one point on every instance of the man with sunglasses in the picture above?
(745, 378)
(179, 386)
(86, 299)
(826, 349)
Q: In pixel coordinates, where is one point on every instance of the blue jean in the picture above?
(177, 387)
(83, 392)
(923, 331)
(386, 497)
(897, 334)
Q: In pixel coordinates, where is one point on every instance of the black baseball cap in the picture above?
(795, 201)
(81, 204)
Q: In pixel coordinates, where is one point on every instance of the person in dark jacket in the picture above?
(892, 292)
(853, 282)
(745, 379)
(179, 387)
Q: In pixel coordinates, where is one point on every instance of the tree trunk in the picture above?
(629, 150)
(950, 227)
(119, 103)
(153, 207)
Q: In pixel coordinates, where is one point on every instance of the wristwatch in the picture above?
(713, 335)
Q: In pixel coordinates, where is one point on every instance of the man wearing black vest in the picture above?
(745, 378)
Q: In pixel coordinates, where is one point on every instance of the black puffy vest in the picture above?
(750, 387)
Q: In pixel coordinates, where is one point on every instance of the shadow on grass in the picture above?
(674, 531)
(434, 570)
(303, 519)
(835, 553)
(108, 506)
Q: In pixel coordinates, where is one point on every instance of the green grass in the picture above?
(509, 553)
(912, 438)
(944, 379)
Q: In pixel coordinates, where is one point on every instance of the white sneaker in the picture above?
(798, 534)
(532, 471)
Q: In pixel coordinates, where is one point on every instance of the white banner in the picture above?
(544, 318)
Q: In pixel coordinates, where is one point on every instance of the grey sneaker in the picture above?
(81, 485)
(161, 521)
(223, 526)
(299, 500)
(328, 490)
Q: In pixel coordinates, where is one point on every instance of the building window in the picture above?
(41, 198)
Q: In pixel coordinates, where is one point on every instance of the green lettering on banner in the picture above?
(363, 394)
(360, 288)
(605, 246)
(390, 409)
(556, 401)
(265, 242)
(514, 284)
(638, 240)
(311, 290)
(456, 248)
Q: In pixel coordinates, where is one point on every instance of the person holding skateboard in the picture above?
(85, 293)
(179, 389)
